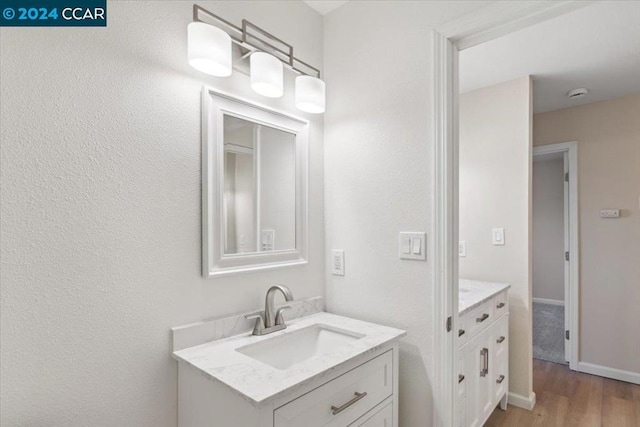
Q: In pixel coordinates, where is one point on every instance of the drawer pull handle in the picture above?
(500, 379)
(500, 305)
(460, 332)
(499, 340)
(484, 317)
(460, 378)
(336, 410)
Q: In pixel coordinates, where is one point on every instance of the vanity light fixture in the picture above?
(210, 51)
(310, 94)
(267, 75)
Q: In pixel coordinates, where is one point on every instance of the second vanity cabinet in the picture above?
(483, 360)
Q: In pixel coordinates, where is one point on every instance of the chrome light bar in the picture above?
(251, 38)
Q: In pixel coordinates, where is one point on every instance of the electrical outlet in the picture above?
(337, 262)
(268, 240)
(462, 248)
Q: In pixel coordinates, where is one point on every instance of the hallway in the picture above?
(572, 399)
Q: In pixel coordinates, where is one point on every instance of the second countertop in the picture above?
(472, 293)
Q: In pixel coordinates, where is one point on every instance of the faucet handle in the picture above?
(279, 318)
(259, 325)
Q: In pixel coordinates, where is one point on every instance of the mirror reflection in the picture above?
(259, 187)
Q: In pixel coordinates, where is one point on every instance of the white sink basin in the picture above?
(289, 349)
(463, 290)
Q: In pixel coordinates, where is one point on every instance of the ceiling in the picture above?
(596, 47)
(325, 6)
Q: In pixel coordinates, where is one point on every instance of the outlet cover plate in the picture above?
(337, 262)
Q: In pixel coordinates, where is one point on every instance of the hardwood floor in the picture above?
(572, 399)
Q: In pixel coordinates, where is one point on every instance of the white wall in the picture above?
(495, 191)
(229, 202)
(608, 136)
(548, 229)
(378, 175)
(100, 210)
(239, 199)
(278, 186)
(244, 212)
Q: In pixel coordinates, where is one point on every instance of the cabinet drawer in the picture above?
(500, 370)
(501, 304)
(342, 401)
(379, 418)
(501, 336)
(479, 318)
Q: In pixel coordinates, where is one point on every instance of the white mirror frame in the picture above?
(215, 263)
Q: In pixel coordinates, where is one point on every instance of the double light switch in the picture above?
(412, 246)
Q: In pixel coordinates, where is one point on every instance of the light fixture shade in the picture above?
(310, 94)
(267, 75)
(209, 49)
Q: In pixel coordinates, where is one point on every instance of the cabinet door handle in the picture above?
(336, 410)
(500, 379)
(484, 317)
(486, 362)
(460, 332)
(500, 305)
(460, 378)
(499, 340)
(484, 353)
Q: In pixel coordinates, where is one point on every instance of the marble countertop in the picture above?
(472, 293)
(258, 382)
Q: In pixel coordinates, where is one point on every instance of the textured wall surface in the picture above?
(378, 175)
(495, 191)
(548, 229)
(100, 218)
(608, 136)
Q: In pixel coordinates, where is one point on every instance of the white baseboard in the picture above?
(613, 373)
(549, 301)
(522, 402)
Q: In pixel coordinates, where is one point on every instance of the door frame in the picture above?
(571, 150)
(492, 21)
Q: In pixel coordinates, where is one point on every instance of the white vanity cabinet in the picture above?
(362, 394)
(344, 400)
(483, 380)
(321, 370)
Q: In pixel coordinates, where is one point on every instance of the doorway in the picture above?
(492, 22)
(555, 253)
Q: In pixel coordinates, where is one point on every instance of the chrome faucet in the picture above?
(272, 321)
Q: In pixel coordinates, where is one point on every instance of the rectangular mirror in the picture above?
(254, 186)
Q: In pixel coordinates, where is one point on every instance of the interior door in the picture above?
(567, 294)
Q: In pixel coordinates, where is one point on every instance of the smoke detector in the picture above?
(577, 93)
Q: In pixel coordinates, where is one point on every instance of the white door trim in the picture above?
(491, 22)
(574, 248)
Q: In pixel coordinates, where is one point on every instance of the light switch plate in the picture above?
(337, 262)
(462, 248)
(497, 237)
(413, 245)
